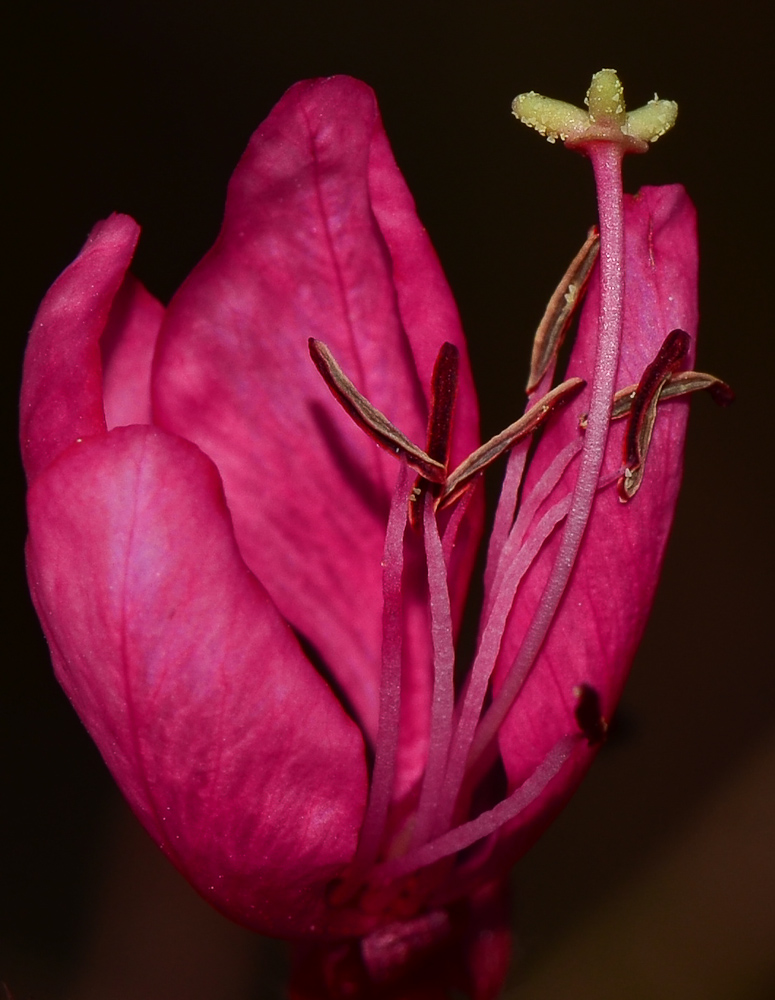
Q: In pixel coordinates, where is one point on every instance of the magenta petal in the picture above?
(61, 397)
(604, 610)
(228, 745)
(127, 347)
(487, 940)
(320, 239)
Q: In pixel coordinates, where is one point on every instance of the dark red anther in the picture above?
(443, 398)
(444, 383)
(643, 411)
(589, 718)
(721, 393)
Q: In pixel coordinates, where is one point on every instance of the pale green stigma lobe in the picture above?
(552, 119)
(607, 119)
(605, 97)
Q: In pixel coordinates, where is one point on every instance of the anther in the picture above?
(589, 717)
(643, 410)
(485, 455)
(679, 384)
(559, 312)
(370, 419)
(444, 382)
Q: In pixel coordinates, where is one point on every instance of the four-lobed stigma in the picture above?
(606, 119)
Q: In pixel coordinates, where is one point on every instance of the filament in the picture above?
(443, 701)
(486, 823)
(383, 776)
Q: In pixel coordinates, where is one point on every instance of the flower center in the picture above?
(401, 861)
(395, 879)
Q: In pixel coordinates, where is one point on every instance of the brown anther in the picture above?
(432, 464)
(679, 384)
(370, 419)
(559, 312)
(459, 480)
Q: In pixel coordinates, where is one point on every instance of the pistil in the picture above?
(604, 133)
(606, 159)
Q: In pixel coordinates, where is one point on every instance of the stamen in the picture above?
(370, 419)
(487, 655)
(444, 382)
(546, 344)
(487, 453)
(443, 703)
(643, 410)
(443, 397)
(588, 715)
(486, 823)
(383, 776)
(540, 492)
(559, 312)
(504, 512)
(678, 384)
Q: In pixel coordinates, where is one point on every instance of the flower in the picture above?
(208, 558)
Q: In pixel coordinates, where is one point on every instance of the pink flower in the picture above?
(206, 550)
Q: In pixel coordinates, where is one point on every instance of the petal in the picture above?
(487, 939)
(433, 956)
(605, 608)
(61, 397)
(321, 239)
(226, 742)
(127, 347)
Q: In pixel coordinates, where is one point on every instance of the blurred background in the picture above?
(658, 879)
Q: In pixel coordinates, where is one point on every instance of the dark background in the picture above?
(145, 108)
